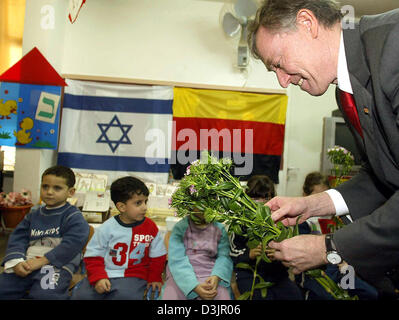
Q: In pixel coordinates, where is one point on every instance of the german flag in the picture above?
(247, 127)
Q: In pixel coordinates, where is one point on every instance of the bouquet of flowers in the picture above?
(15, 199)
(209, 187)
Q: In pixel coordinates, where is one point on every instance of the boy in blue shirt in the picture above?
(45, 249)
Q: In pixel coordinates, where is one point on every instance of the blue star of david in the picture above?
(114, 144)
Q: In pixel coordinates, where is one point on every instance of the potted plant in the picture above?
(342, 161)
(14, 206)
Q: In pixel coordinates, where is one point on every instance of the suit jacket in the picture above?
(371, 243)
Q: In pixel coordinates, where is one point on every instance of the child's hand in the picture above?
(255, 252)
(155, 286)
(213, 282)
(103, 285)
(153, 290)
(37, 263)
(205, 291)
(22, 269)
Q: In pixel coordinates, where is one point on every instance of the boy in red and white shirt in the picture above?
(126, 254)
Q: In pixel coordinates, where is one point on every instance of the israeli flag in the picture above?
(117, 130)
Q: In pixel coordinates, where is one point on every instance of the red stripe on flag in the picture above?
(227, 135)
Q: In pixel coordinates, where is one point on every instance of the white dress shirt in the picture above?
(344, 84)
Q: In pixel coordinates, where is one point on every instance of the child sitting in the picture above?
(261, 189)
(315, 182)
(45, 248)
(199, 266)
(126, 254)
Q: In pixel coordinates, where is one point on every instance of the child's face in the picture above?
(319, 188)
(54, 191)
(134, 209)
(199, 218)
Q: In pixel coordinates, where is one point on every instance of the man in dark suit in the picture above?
(304, 43)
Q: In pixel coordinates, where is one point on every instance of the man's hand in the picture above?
(287, 209)
(103, 285)
(22, 269)
(205, 292)
(300, 253)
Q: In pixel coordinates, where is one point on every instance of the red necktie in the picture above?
(349, 107)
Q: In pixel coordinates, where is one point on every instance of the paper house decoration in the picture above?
(30, 96)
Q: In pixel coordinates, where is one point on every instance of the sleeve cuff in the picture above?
(11, 264)
(339, 203)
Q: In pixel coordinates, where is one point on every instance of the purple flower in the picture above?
(188, 170)
(170, 202)
(192, 189)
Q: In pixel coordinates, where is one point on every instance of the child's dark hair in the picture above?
(313, 179)
(124, 188)
(261, 186)
(63, 172)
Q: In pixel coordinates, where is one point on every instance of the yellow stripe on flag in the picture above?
(231, 105)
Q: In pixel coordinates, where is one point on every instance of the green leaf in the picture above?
(238, 193)
(265, 258)
(283, 235)
(261, 211)
(234, 206)
(244, 265)
(290, 232)
(296, 229)
(315, 273)
(263, 292)
(253, 243)
(225, 202)
(262, 285)
(209, 215)
(237, 229)
(195, 219)
(267, 239)
(260, 278)
(280, 225)
(227, 185)
(244, 296)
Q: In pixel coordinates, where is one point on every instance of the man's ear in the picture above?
(307, 20)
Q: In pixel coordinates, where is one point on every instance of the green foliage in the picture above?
(342, 161)
(209, 187)
(329, 285)
(262, 285)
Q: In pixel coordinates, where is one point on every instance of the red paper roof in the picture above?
(33, 68)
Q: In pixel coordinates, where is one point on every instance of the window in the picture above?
(12, 14)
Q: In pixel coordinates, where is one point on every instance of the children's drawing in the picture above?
(23, 136)
(8, 107)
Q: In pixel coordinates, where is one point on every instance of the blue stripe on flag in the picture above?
(112, 163)
(92, 103)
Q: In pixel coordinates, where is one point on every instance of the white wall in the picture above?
(304, 134)
(166, 40)
(44, 28)
(172, 40)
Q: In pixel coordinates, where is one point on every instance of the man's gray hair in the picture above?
(280, 15)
